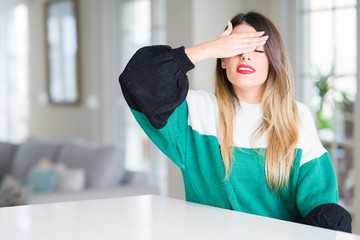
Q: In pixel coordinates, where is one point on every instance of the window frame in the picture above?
(157, 174)
(11, 136)
(304, 96)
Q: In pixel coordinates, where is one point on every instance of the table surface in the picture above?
(146, 218)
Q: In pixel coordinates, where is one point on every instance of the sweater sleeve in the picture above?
(155, 85)
(317, 191)
(154, 82)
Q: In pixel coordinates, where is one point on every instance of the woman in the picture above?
(250, 147)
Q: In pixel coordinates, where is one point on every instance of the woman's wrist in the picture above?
(198, 53)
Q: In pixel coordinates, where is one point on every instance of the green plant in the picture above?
(326, 92)
(323, 86)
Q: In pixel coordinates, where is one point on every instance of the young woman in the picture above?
(249, 147)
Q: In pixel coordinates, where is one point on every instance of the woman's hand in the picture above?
(226, 45)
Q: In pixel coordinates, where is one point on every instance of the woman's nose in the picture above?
(245, 56)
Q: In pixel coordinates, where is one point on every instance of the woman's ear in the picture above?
(223, 63)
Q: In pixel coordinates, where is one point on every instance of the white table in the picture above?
(145, 218)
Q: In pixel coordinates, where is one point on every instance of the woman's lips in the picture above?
(245, 69)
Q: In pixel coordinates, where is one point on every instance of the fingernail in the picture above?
(265, 37)
(262, 32)
(263, 42)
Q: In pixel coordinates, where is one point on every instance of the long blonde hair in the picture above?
(279, 110)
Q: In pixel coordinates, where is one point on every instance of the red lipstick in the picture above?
(245, 69)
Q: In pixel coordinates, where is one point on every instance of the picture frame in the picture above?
(62, 52)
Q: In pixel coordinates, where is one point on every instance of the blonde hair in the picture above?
(279, 110)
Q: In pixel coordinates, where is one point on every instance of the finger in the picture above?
(244, 50)
(247, 47)
(228, 29)
(249, 35)
(255, 44)
(251, 39)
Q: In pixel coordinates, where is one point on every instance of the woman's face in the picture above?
(248, 71)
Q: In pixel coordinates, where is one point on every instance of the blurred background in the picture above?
(59, 67)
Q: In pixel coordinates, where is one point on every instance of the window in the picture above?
(140, 23)
(135, 33)
(329, 81)
(14, 80)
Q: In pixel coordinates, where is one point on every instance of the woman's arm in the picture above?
(154, 81)
(331, 216)
(226, 45)
(317, 190)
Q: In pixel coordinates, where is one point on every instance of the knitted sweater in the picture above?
(184, 125)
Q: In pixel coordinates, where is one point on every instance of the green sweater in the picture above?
(184, 125)
(190, 140)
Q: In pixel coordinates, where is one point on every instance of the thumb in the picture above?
(228, 29)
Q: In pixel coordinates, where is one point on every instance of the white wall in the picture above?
(179, 20)
(59, 122)
(209, 20)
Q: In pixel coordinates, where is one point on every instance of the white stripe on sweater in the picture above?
(203, 118)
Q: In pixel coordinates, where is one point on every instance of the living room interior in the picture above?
(83, 143)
